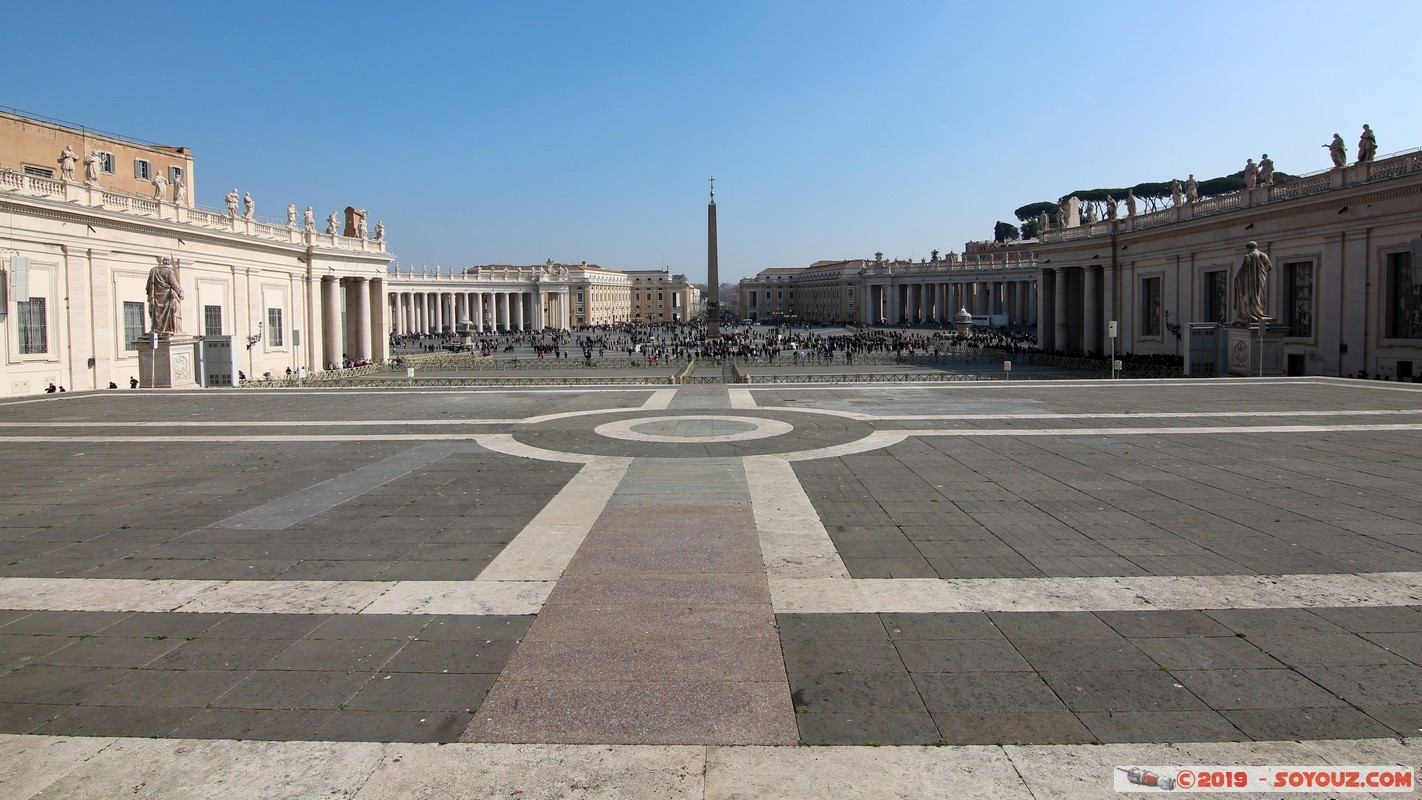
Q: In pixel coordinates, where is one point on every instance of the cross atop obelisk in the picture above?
(713, 280)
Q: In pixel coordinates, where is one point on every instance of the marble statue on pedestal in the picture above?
(165, 297)
(1337, 151)
(1367, 145)
(291, 215)
(379, 231)
(1251, 174)
(232, 198)
(180, 191)
(1250, 284)
(1266, 170)
(160, 184)
(309, 221)
(93, 163)
(1176, 192)
(1041, 225)
(331, 223)
(249, 209)
(1130, 202)
(1092, 216)
(67, 159)
(1192, 189)
(1110, 207)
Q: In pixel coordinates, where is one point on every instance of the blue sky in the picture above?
(514, 132)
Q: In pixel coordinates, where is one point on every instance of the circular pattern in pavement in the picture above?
(693, 433)
(686, 429)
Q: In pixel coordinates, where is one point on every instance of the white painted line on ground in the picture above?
(271, 597)
(1151, 593)
(740, 397)
(793, 541)
(93, 768)
(545, 546)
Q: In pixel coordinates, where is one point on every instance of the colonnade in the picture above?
(439, 310)
(1077, 304)
(352, 321)
(936, 302)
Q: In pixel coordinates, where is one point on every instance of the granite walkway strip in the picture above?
(661, 629)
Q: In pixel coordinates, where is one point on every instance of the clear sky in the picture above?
(519, 130)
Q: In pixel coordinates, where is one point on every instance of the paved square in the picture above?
(992, 568)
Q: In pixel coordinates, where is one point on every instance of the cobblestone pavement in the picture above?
(658, 591)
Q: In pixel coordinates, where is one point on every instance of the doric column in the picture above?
(516, 298)
(331, 321)
(478, 315)
(1091, 310)
(359, 314)
(1059, 312)
(1046, 290)
(379, 321)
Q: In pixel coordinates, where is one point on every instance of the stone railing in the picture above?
(483, 277)
(95, 196)
(1407, 162)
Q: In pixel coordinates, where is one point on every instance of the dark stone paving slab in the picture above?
(250, 676)
(1061, 507)
(445, 518)
(1072, 677)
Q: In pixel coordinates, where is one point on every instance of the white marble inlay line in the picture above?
(546, 545)
(1144, 593)
(271, 597)
(793, 540)
(809, 595)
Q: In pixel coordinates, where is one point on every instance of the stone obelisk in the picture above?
(713, 280)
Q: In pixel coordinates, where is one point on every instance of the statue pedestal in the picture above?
(1251, 354)
(171, 364)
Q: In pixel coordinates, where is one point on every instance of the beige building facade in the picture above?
(76, 255)
(998, 286)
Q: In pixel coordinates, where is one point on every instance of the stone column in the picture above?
(1091, 310)
(1059, 312)
(1046, 291)
(516, 301)
(378, 321)
(331, 321)
(358, 318)
(478, 315)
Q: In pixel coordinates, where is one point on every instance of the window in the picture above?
(33, 326)
(274, 329)
(132, 325)
(176, 176)
(212, 320)
(39, 172)
(107, 163)
(1150, 306)
(851, 291)
(1298, 301)
(1404, 299)
(1216, 296)
(142, 169)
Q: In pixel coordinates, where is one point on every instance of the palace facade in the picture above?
(1343, 296)
(78, 241)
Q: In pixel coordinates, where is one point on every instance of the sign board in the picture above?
(1007, 366)
(1111, 329)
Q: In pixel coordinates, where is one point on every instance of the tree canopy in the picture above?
(1152, 195)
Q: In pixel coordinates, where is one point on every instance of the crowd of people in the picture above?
(667, 342)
